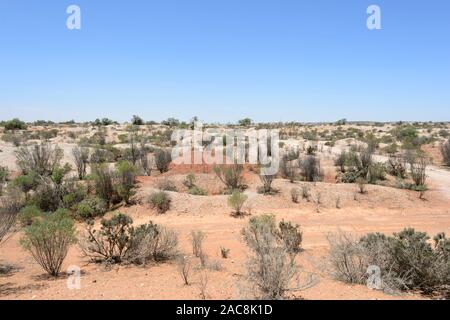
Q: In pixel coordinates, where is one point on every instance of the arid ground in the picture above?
(381, 209)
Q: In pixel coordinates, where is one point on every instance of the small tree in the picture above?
(42, 159)
(267, 178)
(9, 207)
(197, 238)
(236, 201)
(127, 178)
(418, 170)
(231, 176)
(81, 157)
(137, 121)
(310, 168)
(162, 160)
(104, 183)
(48, 241)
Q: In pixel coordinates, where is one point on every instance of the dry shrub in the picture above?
(81, 157)
(184, 269)
(310, 168)
(231, 176)
(118, 241)
(347, 258)
(236, 201)
(406, 261)
(42, 159)
(271, 267)
(160, 201)
(197, 238)
(9, 208)
(295, 194)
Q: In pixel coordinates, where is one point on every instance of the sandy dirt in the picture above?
(382, 209)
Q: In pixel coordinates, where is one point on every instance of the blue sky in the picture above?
(222, 60)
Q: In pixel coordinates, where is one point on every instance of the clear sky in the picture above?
(222, 60)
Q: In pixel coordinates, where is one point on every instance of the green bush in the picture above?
(162, 160)
(236, 201)
(407, 260)
(197, 191)
(15, 124)
(231, 176)
(127, 179)
(48, 241)
(167, 185)
(160, 201)
(151, 242)
(28, 215)
(118, 241)
(91, 208)
(291, 236)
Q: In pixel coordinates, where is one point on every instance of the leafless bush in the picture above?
(184, 269)
(42, 158)
(362, 184)
(418, 170)
(9, 208)
(348, 260)
(197, 238)
(295, 194)
(396, 166)
(224, 252)
(203, 283)
(146, 163)
(81, 157)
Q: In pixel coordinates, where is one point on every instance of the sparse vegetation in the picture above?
(160, 201)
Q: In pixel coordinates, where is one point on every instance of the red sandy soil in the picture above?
(382, 209)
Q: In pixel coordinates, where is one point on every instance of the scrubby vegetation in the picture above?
(48, 240)
(231, 176)
(160, 201)
(406, 260)
(236, 201)
(117, 241)
(271, 267)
